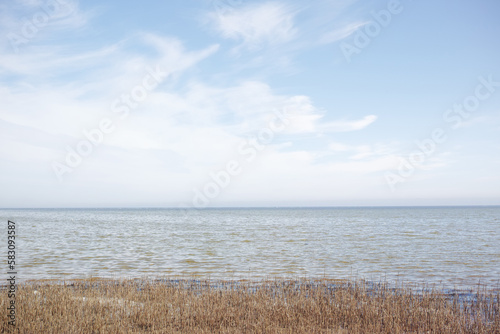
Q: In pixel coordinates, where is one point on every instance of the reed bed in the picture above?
(270, 306)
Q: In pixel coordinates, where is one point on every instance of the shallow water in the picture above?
(454, 246)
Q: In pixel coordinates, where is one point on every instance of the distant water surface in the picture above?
(457, 246)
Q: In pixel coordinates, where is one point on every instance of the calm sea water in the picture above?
(457, 246)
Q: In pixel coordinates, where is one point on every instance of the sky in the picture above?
(221, 103)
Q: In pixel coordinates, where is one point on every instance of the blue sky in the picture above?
(249, 103)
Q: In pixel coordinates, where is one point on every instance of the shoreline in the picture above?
(233, 306)
(161, 279)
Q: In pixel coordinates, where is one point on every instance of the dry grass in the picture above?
(275, 306)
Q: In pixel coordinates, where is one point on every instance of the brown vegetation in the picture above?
(275, 306)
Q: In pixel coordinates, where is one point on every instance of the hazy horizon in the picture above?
(249, 207)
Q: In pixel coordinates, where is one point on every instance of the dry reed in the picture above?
(272, 306)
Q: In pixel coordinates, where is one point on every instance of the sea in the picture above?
(448, 246)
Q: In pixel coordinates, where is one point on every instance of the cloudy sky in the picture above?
(201, 103)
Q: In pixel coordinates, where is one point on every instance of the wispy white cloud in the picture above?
(33, 22)
(52, 94)
(342, 32)
(361, 152)
(346, 126)
(53, 91)
(256, 24)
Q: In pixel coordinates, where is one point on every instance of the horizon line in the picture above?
(251, 207)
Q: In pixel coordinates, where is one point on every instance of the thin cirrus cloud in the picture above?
(51, 76)
(168, 124)
(255, 25)
(346, 126)
(361, 152)
(342, 32)
(35, 22)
